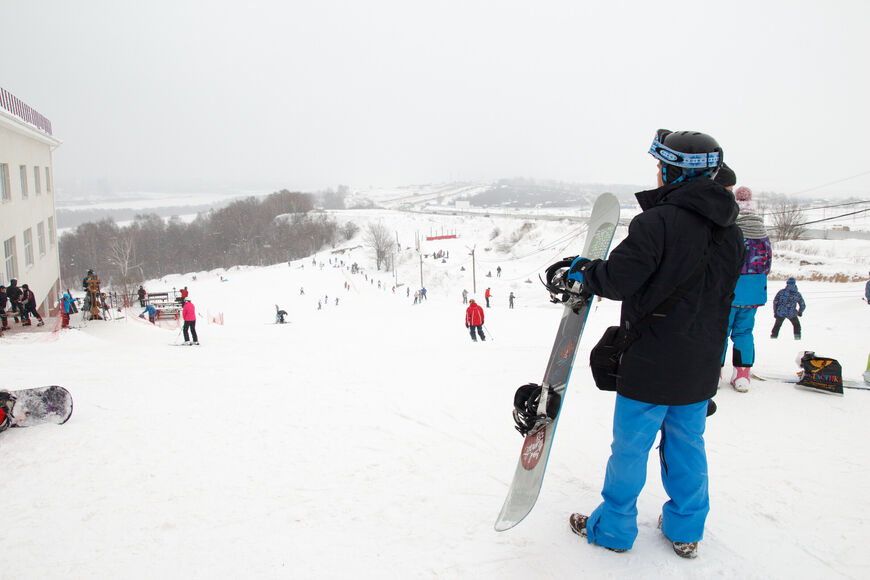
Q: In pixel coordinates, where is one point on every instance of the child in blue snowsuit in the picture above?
(751, 290)
(788, 303)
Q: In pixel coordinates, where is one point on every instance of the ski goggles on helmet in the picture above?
(684, 160)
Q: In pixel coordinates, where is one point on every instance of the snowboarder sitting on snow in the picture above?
(280, 315)
(670, 371)
(152, 313)
(788, 303)
(751, 290)
(474, 320)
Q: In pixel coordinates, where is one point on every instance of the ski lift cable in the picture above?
(832, 183)
(836, 217)
(811, 208)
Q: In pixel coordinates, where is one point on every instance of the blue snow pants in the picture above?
(613, 524)
(741, 322)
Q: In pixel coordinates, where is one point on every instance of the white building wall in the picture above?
(23, 144)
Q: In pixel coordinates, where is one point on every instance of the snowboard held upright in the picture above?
(29, 407)
(532, 463)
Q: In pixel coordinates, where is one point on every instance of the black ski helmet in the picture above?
(686, 155)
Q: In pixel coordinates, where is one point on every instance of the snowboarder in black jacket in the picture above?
(669, 373)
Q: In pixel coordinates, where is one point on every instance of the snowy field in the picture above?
(373, 439)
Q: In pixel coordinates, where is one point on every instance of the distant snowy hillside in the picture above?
(369, 437)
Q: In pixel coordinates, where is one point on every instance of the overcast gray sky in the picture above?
(177, 94)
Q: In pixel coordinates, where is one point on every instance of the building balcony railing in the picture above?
(23, 111)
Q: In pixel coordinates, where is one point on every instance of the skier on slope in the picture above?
(474, 320)
(188, 314)
(670, 371)
(751, 290)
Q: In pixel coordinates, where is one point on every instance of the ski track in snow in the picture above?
(374, 439)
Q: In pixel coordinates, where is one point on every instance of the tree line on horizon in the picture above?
(253, 231)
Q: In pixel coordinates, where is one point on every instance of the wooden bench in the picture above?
(164, 305)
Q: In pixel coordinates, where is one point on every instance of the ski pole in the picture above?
(488, 332)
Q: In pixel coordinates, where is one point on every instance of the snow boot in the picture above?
(797, 337)
(740, 379)
(40, 323)
(578, 526)
(682, 549)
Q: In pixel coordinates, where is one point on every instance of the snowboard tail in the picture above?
(29, 407)
(532, 464)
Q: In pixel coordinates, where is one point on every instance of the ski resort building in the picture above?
(28, 230)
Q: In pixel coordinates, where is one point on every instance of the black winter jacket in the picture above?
(676, 360)
(14, 293)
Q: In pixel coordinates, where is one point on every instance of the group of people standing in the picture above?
(21, 304)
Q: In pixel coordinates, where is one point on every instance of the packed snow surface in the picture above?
(371, 438)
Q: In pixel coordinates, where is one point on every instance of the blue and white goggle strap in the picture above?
(684, 160)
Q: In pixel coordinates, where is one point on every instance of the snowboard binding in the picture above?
(561, 289)
(530, 415)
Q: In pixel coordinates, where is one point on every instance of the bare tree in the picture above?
(121, 257)
(349, 230)
(378, 238)
(788, 219)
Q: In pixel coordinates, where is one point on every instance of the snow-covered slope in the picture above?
(373, 439)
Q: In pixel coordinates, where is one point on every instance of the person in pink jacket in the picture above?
(188, 314)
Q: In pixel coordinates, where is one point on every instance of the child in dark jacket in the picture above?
(788, 304)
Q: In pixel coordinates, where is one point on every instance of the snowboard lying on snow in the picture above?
(29, 407)
(795, 378)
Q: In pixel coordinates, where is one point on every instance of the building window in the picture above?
(40, 237)
(47, 181)
(28, 247)
(52, 233)
(36, 182)
(11, 258)
(5, 188)
(22, 172)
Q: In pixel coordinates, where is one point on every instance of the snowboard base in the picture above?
(40, 405)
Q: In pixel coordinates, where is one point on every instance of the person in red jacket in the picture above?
(487, 295)
(474, 320)
(188, 313)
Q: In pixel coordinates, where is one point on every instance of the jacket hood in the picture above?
(791, 282)
(702, 196)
